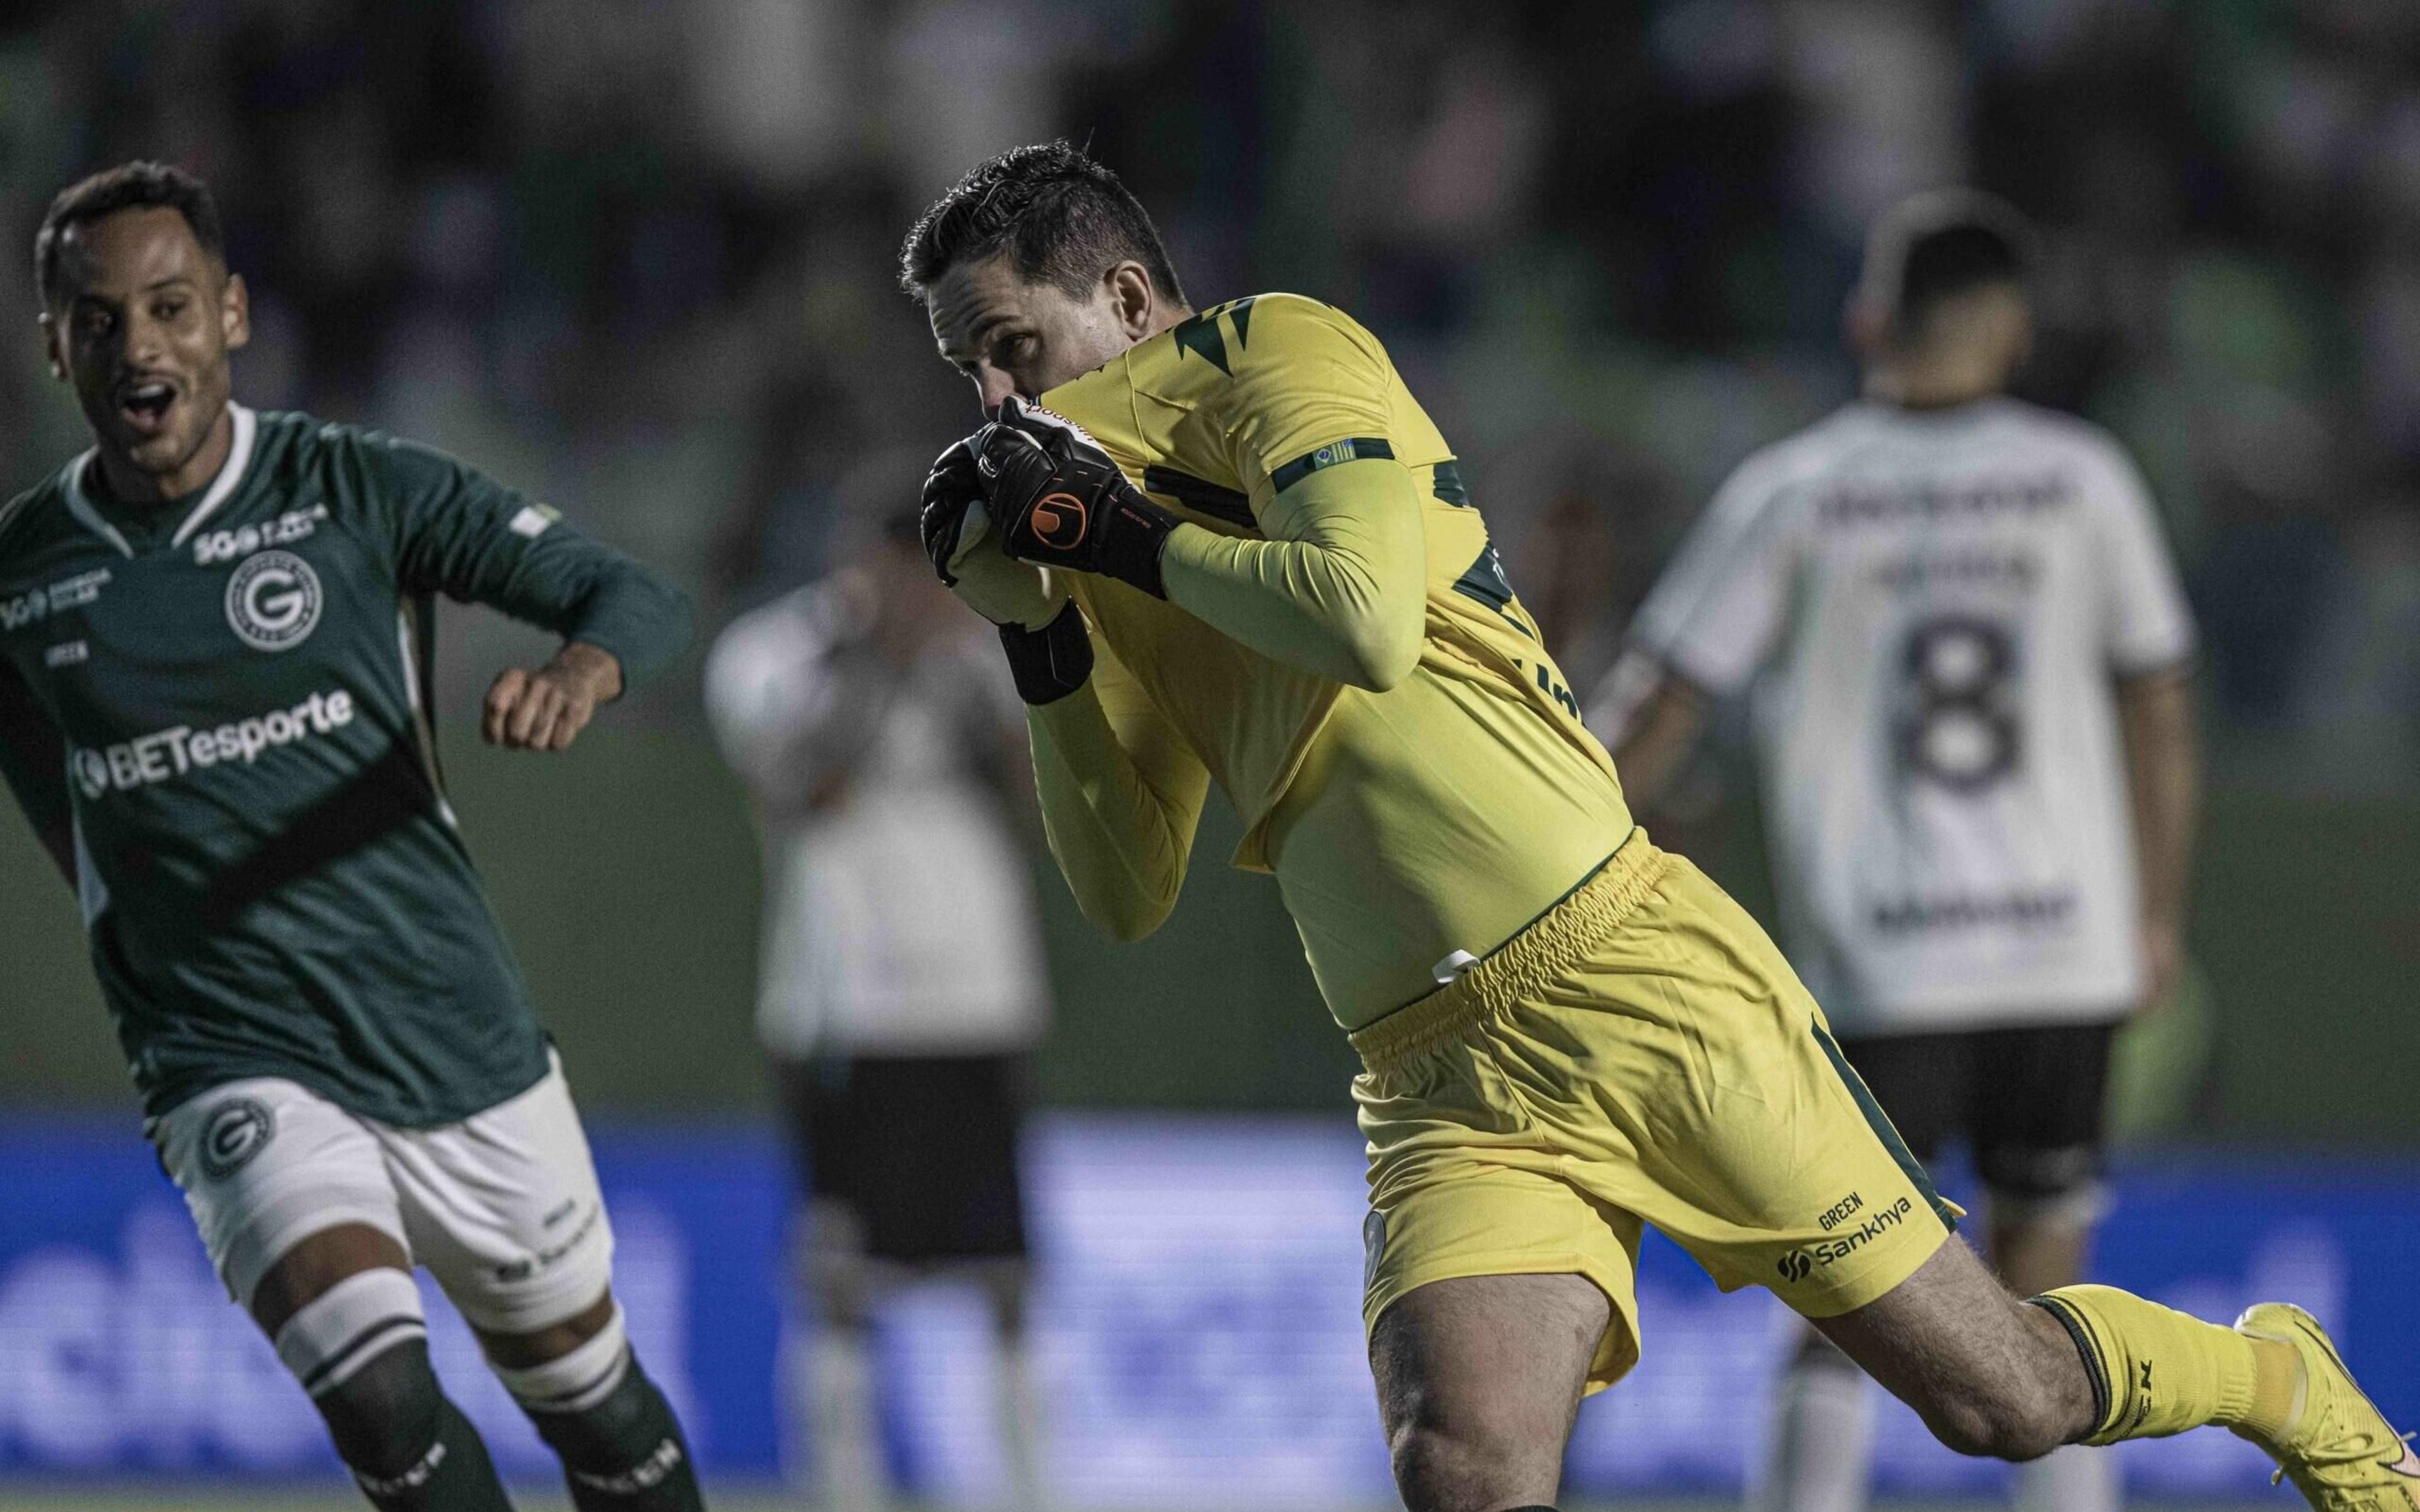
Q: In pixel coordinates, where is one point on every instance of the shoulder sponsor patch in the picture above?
(533, 520)
(21, 609)
(214, 547)
(1352, 449)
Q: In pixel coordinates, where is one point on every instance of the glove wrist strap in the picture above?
(1133, 542)
(1052, 662)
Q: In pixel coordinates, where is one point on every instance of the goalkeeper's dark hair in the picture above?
(1935, 246)
(1062, 219)
(130, 186)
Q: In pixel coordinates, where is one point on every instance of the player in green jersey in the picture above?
(215, 632)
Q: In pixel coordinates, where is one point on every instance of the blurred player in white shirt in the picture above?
(1971, 667)
(901, 977)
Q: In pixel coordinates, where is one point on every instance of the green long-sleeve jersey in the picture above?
(217, 715)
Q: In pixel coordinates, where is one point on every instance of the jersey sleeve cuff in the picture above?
(2167, 663)
(643, 625)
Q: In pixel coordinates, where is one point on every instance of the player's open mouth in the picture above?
(145, 406)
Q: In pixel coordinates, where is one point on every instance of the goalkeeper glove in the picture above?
(1062, 502)
(1049, 652)
(967, 555)
(1052, 662)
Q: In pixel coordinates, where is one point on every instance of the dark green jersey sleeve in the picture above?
(33, 763)
(459, 532)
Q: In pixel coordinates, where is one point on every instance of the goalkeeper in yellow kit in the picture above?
(1229, 545)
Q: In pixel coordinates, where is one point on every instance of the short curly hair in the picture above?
(130, 186)
(1062, 218)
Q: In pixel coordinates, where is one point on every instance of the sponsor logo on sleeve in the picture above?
(21, 609)
(273, 601)
(533, 520)
(237, 1129)
(68, 654)
(164, 755)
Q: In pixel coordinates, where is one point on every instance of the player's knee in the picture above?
(360, 1350)
(1445, 1462)
(1442, 1473)
(1994, 1420)
(1439, 1471)
(601, 1416)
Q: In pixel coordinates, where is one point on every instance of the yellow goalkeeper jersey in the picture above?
(1437, 816)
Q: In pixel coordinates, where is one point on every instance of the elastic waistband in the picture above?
(1522, 966)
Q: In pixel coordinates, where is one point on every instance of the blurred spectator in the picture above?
(901, 984)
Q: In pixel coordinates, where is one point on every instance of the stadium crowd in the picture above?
(643, 254)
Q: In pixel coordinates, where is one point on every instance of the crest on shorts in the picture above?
(1374, 1246)
(237, 1129)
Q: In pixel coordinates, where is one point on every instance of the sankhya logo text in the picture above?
(173, 752)
(1801, 1262)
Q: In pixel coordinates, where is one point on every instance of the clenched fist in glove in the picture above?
(1061, 502)
(967, 553)
(1049, 650)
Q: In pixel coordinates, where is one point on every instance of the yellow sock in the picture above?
(2156, 1371)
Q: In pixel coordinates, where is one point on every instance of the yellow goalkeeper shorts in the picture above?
(1641, 1053)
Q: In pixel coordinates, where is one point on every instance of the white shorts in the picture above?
(502, 1207)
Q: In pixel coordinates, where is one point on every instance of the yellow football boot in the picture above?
(2341, 1453)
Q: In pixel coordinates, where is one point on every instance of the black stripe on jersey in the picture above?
(1357, 449)
(1448, 484)
(1485, 581)
(386, 795)
(1202, 495)
(1908, 1164)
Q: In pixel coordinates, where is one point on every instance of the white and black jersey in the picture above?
(900, 916)
(1939, 603)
